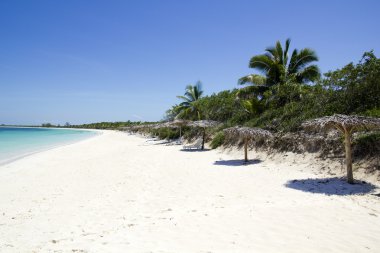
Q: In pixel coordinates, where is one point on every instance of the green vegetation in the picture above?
(278, 69)
(166, 133)
(367, 144)
(108, 125)
(189, 107)
(218, 140)
(291, 91)
(47, 125)
(283, 106)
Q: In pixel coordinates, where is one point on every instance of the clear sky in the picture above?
(84, 61)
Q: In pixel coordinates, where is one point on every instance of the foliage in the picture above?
(107, 125)
(277, 69)
(222, 107)
(47, 125)
(356, 88)
(166, 133)
(218, 140)
(189, 108)
(374, 112)
(367, 144)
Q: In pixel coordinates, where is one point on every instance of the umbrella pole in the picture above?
(180, 132)
(245, 149)
(203, 138)
(347, 146)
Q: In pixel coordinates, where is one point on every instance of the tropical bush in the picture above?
(218, 140)
(367, 144)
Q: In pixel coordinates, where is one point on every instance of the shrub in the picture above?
(218, 140)
(367, 144)
(168, 133)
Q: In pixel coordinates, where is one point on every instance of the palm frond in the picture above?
(280, 53)
(271, 52)
(198, 90)
(251, 91)
(253, 79)
(304, 57)
(309, 74)
(287, 44)
(188, 109)
(185, 98)
(185, 104)
(261, 62)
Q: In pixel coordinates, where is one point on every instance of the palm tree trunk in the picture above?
(245, 149)
(347, 146)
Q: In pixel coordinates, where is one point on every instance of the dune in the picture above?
(118, 193)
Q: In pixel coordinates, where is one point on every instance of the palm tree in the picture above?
(278, 69)
(189, 107)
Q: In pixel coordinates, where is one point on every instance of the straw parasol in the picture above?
(346, 125)
(125, 128)
(178, 123)
(204, 124)
(247, 134)
(159, 125)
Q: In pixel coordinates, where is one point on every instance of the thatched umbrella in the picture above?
(178, 123)
(247, 134)
(159, 125)
(346, 125)
(204, 124)
(125, 128)
(144, 127)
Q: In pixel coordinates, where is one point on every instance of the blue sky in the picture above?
(84, 61)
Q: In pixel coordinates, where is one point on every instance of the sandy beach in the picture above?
(118, 193)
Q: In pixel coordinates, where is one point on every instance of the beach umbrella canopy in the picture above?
(143, 127)
(350, 123)
(159, 125)
(346, 125)
(204, 124)
(246, 134)
(125, 128)
(136, 127)
(178, 123)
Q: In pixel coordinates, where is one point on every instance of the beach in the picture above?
(119, 193)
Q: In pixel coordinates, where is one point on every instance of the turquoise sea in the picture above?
(16, 142)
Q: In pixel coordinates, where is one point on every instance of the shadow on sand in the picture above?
(238, 162)
(195, 150)
(330, 186)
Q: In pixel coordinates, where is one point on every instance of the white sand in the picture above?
(116, 193)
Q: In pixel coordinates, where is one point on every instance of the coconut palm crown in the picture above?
(188, 108)
(277, 68)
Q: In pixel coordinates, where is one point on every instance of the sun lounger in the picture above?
(152, 139)
(196, 145)
(178, 141)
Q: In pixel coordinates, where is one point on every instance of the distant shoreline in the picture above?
(25, 153)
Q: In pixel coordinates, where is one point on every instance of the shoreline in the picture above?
(49, 147)
(118, 193)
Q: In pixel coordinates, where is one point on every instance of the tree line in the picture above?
(287, 91)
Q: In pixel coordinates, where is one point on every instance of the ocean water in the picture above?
(16, 142)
